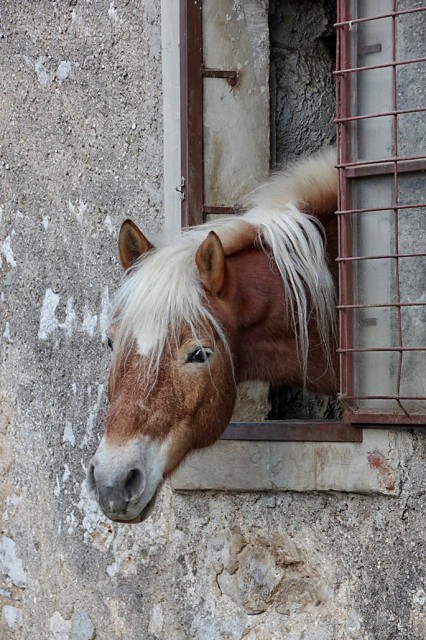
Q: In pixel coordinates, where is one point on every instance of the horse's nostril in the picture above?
(91, 482)
(134, 484)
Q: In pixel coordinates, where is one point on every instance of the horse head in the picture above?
(249, 298)
(163, 404)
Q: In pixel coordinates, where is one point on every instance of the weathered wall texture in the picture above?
(82, 149)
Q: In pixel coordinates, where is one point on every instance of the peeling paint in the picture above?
(48, 320)
(68, 323)
(92, 416)
(108, 224)
(42, 75)
(63, 70)
(68, 434)
(6, 332)
(67, 474)
(112, 12)
(104, 315)
(79, 209)
(10, 564)
(6, 250)
(89, 323)
(156, 623)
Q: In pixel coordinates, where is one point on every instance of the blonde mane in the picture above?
(163, 290)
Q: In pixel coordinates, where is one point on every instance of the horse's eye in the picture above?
(198, 356)
(109, 343)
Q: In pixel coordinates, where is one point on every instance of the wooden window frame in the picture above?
(194, 210)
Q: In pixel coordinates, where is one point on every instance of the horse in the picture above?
(247, 297)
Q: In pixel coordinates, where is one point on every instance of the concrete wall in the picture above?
(82, 149)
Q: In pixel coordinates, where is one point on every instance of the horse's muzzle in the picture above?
(118, 495)
(124, 478)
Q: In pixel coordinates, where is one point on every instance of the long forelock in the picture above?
(163, 290)
(160, 294)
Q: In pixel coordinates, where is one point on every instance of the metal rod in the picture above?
(379, 349)
(362, 163)
(387, 65)
(349, 23)
(381, 305)
(381, 257)
(379, 115)
(379, 209)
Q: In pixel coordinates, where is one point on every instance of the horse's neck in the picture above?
(265, 345)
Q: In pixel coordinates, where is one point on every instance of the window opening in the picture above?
(199, 71)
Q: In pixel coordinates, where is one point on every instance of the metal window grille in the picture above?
(194, 76)
(381, 124)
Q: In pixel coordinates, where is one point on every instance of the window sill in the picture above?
(369, 467)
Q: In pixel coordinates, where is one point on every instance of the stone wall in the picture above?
(82, 149)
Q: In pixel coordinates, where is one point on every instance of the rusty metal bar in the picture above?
(350, 23)
(384, 161)
(379, 209)
(379, 419)
(387, 65)
(381, 257)
(218, 73)
(381, 304)
(230, 76)
(378, 349)
(218, 210)
(343, 101)
(378, 397)
(379, 115)
(294, 430)
(396, 212)
(192, 134)
(378, 169)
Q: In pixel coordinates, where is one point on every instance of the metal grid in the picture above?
(360, 407)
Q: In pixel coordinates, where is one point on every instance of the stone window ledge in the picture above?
(370, 467)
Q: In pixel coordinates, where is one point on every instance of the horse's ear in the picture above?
(131, 243)
(211, 262)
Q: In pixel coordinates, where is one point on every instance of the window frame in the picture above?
(349, 172)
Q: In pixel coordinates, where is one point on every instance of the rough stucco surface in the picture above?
(302, 86)
(81, 149)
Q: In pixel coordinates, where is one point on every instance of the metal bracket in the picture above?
(230, 76)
